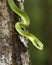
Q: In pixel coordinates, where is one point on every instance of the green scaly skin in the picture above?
(19, 25)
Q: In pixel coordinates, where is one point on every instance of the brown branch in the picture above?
(13, 47)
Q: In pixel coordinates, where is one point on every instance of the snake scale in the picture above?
(26, 22)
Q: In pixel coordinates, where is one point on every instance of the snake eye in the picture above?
(37, 43)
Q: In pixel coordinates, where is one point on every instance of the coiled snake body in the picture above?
(18, 26)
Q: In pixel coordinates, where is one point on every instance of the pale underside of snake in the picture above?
(18, 26)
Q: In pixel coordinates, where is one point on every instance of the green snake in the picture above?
(26, 22)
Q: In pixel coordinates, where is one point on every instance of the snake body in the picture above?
(26, 22)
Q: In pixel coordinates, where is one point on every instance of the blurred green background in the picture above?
(40, 14)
